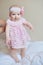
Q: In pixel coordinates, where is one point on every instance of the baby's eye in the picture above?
(18, 14)
(13, 14)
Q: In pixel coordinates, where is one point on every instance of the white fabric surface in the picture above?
(35, 51)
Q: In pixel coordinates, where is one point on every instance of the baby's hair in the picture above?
(21, 12)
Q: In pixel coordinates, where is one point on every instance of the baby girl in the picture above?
(16, 34)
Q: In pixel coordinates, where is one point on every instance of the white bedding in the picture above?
(35, 51)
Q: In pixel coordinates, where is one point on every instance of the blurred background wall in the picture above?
(33, 13)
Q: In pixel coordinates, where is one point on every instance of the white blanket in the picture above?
(35, 51)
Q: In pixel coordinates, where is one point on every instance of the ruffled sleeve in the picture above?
(23, 20)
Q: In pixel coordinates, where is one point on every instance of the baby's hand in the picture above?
(32, 28)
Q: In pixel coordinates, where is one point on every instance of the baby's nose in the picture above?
(16, 16)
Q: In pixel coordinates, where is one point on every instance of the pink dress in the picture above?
(18, 34)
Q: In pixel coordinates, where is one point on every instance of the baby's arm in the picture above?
(28, 24)
(7, 31)
(7, 37)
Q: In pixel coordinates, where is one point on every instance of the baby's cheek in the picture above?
(13, 16)
(19, 16)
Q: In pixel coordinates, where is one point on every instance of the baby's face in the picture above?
(15, 15)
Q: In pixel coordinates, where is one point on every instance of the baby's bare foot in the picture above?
(17, 60)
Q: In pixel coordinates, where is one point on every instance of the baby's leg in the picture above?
(23, 51)
(13, 53)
